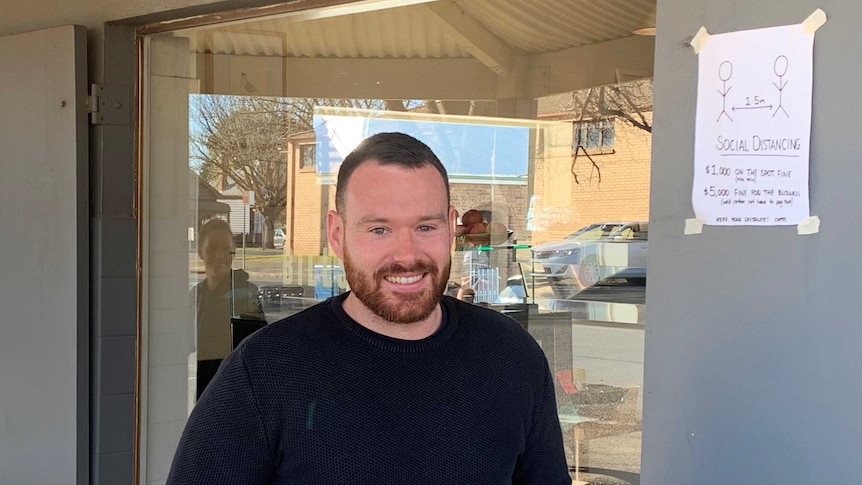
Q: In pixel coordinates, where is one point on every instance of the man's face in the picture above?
(217, 253)
(394, 239)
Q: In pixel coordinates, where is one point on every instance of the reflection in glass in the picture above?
(222, 294)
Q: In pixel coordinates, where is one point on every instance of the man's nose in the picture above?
(405, 246)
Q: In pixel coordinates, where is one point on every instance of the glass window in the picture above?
(306, 155)
(245, 127)
(594, 134)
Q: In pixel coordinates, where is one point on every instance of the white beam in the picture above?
(471, 36)
(591, 65)
(454, 79)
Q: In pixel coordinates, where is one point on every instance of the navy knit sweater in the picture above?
(317, 399)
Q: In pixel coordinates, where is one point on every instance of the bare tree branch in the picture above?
(243, 140)
(604, 110)
(580, 148)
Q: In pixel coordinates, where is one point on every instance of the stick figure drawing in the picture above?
(780, 68)
(725, 71)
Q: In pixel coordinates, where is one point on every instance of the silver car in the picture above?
(278, 238)
(598, 252)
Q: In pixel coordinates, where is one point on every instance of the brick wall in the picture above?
(311, 200)
(562, 205)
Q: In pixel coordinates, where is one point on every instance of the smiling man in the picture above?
(393, 229)
(391, 383)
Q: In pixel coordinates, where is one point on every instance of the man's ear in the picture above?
(335, 233)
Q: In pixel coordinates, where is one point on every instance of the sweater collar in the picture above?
(448, 326)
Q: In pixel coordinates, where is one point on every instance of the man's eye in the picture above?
(426, 228)
(378, 230)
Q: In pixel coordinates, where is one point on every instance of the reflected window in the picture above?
(306, 156)
(594, 134)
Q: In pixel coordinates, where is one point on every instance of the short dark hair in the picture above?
(387, 149)
(211, 227)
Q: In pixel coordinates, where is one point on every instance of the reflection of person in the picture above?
(391, 382)
(223, 293)
(477, 273)
(474, 263)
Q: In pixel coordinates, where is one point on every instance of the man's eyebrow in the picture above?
(385, 220)
(435, 217)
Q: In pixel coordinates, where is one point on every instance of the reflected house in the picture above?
(243, 219)
(309, 198)
(205, 201)
(612, 168)
(223, 201)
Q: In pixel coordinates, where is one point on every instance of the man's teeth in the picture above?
(403, 280)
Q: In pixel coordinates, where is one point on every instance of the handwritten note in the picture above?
(753, 127)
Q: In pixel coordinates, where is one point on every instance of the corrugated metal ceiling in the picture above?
(525, 26)
(536, 26)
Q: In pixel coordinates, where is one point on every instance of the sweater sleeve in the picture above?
(544, 460)
(225, 441)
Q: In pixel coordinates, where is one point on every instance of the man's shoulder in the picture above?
(286, 346)
(497, 338)
(294, 330)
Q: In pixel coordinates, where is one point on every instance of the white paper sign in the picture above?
(753, 127)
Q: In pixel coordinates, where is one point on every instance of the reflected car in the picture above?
(329, 280)
(278, 238)
(595, 253)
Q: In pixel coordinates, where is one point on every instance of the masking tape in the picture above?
(699, 39)
(693, 226)
(814, 21)
(810, 225)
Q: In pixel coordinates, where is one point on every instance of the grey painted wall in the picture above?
(753, 372)
(43, 252)
(113, 273)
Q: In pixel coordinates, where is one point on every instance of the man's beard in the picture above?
(399, 307)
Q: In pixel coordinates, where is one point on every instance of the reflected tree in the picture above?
(242, 140)
(629, 102)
